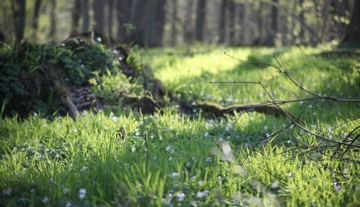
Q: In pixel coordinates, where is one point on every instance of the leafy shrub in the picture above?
(28, 73)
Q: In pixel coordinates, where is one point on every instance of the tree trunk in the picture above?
(222, 22)
(159, 24)
(353, 30)
(274, 20)
(76, 11)
(85, 16)
(173, 23)
(246, 25)
(200, 20)
(19, 14)
(123, 15)
(98, 7)
(302, 19)
(36, 18)
(231, 9)
(259, 40)
(188, 30)
(52, 31)
(110, 16)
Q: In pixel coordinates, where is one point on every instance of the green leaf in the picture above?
(129, 27)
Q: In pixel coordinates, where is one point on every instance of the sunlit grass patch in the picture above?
(169, 159)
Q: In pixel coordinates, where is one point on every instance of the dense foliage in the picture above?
(30, 74)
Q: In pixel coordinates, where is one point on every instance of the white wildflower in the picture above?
(82, 193)
(275, 184)
(180, 196)
(175, 174)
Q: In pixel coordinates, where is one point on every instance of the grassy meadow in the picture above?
(171, 159)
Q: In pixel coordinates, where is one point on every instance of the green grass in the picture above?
(53, 163)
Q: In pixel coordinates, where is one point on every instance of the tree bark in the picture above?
(110, 16)
(302, 19)
(274, 20)
(35, 21)
(98, 7)
(76, 11)
(200, 20)
(85, 16)
(353, 30)
(173, 23)
(232, 29)
(19, 14)
(222, 22)
(188, 30)
(52, 31)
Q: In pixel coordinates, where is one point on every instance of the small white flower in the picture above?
(180, 196)
(175, 174)
(229, 127)
(68, 204)
(170, 158)
(45, 200)
(289, 174)
(266, 127)
(106, 128)
(200, 183)
(188, 165)
(219, 178)
(201, 194)
(133, 149)
(82, 193)
(168, 148)
(66, 190)
(275, 184)
(75, 130)
(337, 186)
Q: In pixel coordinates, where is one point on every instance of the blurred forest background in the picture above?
(183, 22)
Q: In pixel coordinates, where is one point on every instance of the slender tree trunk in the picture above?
(159, 23)
(246, 21)
(98, 7)
(173, 23)
(35, 21)
(85, 16)
(122, 18)
(222, 22)
(110, 16)
(75, 18)
(19, 14)
(274, 20)
(200, 20)
(52, 31)
(231, 8)
(353, 30)
(260, 24)
(302, 19)
(188, 30)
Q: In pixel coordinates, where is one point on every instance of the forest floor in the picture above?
(306, 157)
